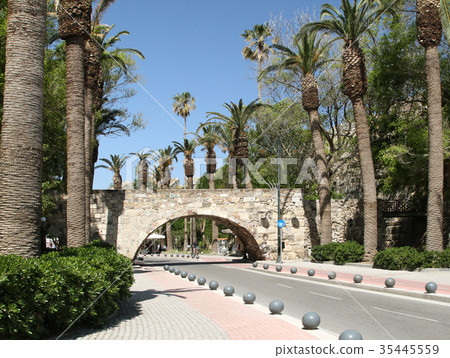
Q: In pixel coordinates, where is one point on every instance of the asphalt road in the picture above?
(375, 315)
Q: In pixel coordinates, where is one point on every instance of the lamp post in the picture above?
(279, 227)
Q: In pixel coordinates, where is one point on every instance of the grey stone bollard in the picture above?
(178, 255)
(311, 272)
(166, 267)
(389, 282)
(197, 257)
(357, 278)
(350, 334)
(310, 320)
(201, 281)
(255, 264)
(177, 271)
(279, 268)
(165, 255)
(431, 287)
(293, 270)
(171, 255)
(191, 277)
(266, 266)
(228, 290)
(276, 306)
(159, 255)
(331, 275)
(192, 256)
(183, 274)
(249, 298)
(213, 285)
(171, 269)
(151, 254)
(182, 255)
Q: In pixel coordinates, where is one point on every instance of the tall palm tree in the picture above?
(445, 18)
(74, 18)
(308, 58)
(209, 139)
(166, 158)
(227, 145)
(349, 25)
(21, 129)
(183, 104)
(115, 164)
(257, 50)
(143, 167)
(187, 148)
(238, 122)
(429, 33)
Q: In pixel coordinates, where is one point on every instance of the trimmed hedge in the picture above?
(409, 258)
(340, 253)
(43, 296)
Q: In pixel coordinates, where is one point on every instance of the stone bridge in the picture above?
(125, 218)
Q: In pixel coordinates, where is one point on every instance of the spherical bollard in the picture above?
(165, 255)
(310, 320)
(311, 272)
(177, 271)
(350, 334)
(431, 287)
(213, 285)
(178, 255)
(192, 256)
(166, 267)
(279, 268)
(151, 254)
(331, 275)
(191, 277)
(266, 266)
(228, 290)
(183, 274)
(182, 255)
(201, 281)
(293, 270)
(159, 255)
(171, 269)
(171, 255)
(357, 278)
(255, 264)
(197, 257)
(249, 298)
(276, 306)
(390, 282)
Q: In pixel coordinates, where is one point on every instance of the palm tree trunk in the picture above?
(88, 155)
(368, 179)
(215, 236)
(247, 179)
(324, 184)
(21, 129)
(186, 235)
(190, 182)
(232, 172)
(212, 184)
(435, 217)
(117, 182)
(169, 236)
(76, 193)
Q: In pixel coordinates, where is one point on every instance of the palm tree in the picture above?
(21, 129)
(238, 123)
(209, 139)
(183, 105)
(115, 164)
(166, 158)
(74, 28)
(445, 18)
(257, 50)
(429, 33)
(187, 148)
(349, 25)
(143, 167)
(307, 60)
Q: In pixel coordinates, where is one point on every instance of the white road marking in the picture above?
(319, 294)
(405, 314)
(280, 284)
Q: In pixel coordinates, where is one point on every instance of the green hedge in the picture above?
(409, 258)
(42, 296)
(349, 251)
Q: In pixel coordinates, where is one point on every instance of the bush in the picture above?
(324, 252)
(349, 251)
(401, 258)
(41, 296)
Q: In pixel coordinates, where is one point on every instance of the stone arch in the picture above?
(246, 235)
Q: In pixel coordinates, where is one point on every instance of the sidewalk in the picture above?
(164, 306)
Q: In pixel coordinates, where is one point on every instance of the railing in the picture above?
(401, 208)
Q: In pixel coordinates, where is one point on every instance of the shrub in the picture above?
(349, 251)
(443, 259)
(324, 252)
(41, 296)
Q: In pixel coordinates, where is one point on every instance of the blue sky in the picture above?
(192, 46)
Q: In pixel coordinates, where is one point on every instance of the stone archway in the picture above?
(251, 246)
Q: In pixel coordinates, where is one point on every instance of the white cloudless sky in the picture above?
(192, 46)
